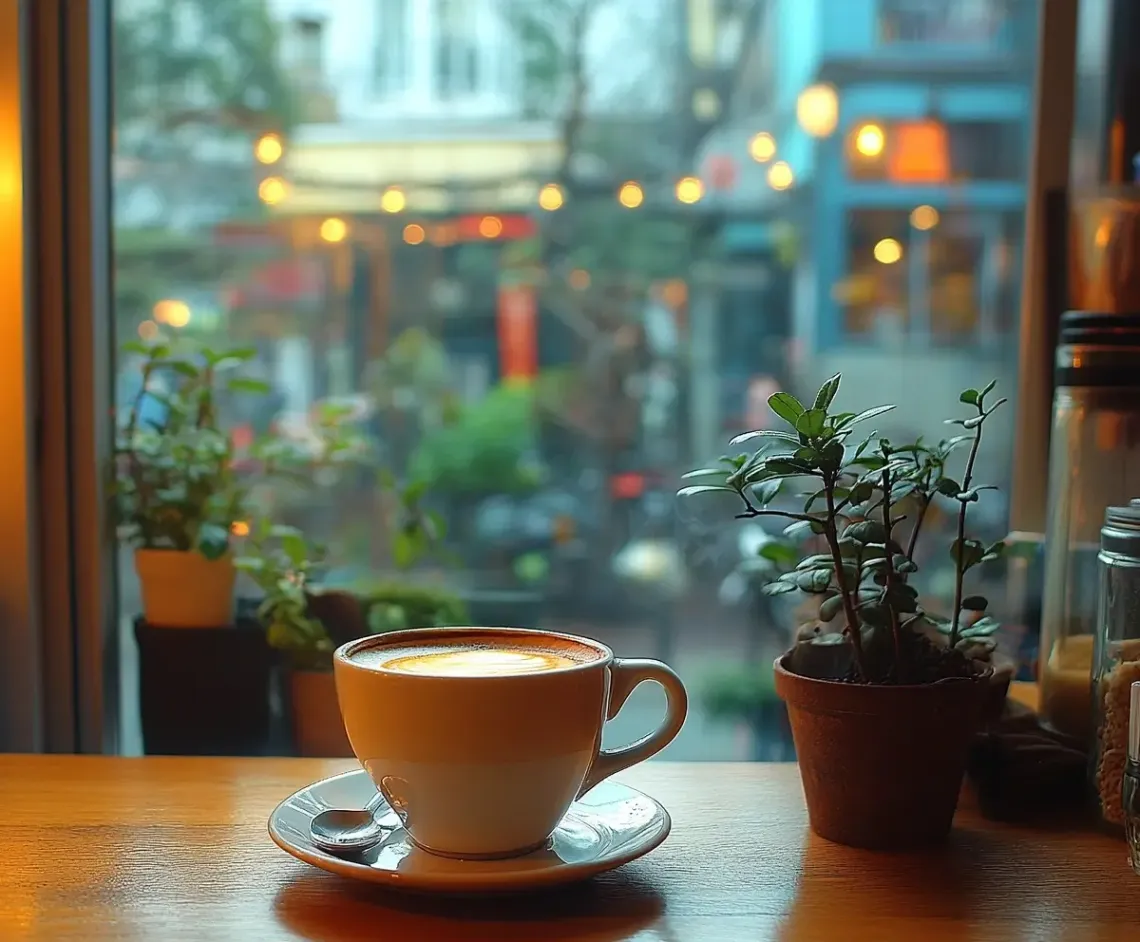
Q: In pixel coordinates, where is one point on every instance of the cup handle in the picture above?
(625, 675)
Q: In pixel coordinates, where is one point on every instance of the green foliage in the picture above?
(391, 607)
(854, 497)
(416, 531)
(737, 693)
(531, 568)
(174, 485)
(199, 62)
(487, 448)
(283, 564)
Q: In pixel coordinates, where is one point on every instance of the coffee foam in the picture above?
(474, 657)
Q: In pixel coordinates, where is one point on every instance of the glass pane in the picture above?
(502, 271)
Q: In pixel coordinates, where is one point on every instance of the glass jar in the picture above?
(1094, 462)
(1116, 658)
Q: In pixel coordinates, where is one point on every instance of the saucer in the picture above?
(609, 826)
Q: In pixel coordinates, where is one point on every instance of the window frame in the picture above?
(59, 635)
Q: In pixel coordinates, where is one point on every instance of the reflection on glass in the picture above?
(548, 255)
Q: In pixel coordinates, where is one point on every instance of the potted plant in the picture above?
(176, 493)
(307, 621)
(284, 566)
(883, 696)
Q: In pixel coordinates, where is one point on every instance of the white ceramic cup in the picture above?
(486, 766)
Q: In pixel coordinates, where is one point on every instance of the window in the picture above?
(308, 47)
(928, 150)
(526, 318)
(456, 53)
(392, 39)
(962, 22)
(928, 278)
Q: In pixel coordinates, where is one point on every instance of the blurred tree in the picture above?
(195, 83)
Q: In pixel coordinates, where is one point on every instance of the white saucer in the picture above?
(610, 826)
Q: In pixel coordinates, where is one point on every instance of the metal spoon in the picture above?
(350, 831)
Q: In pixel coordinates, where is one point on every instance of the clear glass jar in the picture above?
(1094, 462)
(1116, 657)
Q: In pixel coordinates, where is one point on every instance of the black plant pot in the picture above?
(505, 608)
(205, 691)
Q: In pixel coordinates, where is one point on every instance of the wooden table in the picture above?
(165, 849)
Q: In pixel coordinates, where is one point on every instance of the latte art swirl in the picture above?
(478, 662)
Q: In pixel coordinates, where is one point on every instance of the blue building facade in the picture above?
(938, 94)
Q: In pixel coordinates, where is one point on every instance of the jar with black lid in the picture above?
(1094, 463)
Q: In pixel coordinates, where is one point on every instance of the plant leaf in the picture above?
(975, 603)
(830, 607)
(704, 489)
(967, 554)
(827, 393)
(766, 433)
(766, 491)
(949, 487)
(969, 396)
(811, 422)
(778, 588)
(870, 414)
(247, 384)
(786, 406)
(687, 476)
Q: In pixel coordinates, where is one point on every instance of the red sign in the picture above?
(518, 332)
(494, 227)
(720, 171)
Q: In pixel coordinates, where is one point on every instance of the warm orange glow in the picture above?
(780, 176)
(888, 251)
(173, 312)
(762, 147)
(148, 330)
(817, 110)
(579, 279)
(924, 217)
(239, 528)
(690, 190)
(413, 233)
(870, 140)
(269, 148)
(920, 153)
(445, 234)
(631, 195)
(273, 190)
(1103, 233)
(675, 293)
(490, 227)
(334, 229)
(550, 197)
(393, 200)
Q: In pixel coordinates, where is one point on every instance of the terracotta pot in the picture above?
(881, 766)
(318, 730)
(183, 589)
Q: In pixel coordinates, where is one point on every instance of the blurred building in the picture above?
(872, 167)
(435, 131)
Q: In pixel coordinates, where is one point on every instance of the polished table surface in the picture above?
(162, 849)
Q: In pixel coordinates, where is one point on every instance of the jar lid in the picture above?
(1095, 348)
(1100, 328)
(1121, 530)
(1134, 723)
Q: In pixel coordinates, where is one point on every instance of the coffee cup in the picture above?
(481, 738)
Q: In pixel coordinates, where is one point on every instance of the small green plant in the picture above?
(174, 483)
(855, 500)
(284, 565)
